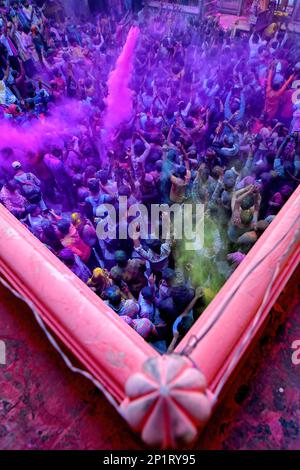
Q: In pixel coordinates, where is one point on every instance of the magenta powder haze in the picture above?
(39, 135)
(119, 100)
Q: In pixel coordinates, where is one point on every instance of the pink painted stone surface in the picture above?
(44, 406)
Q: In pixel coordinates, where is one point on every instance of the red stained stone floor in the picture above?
(45, 406)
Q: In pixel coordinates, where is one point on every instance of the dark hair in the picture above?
(155, 245)
(204, 172)
(215, 172)
(93, 185)
(103, 176)
(50, 236)
(124, 191)
(167, 310)
(77, 179)
(67, 256)
(276, 86)
(181, 172)
(121, 258)
(182, 296)
(261, 49)
(168, 274)
(113, 294)
(90, 172)
(247, 202)
(63, 226)
(189, 123)
(147, 293)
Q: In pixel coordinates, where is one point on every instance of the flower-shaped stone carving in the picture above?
(167, 401)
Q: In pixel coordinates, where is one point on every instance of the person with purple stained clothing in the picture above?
(147, 303)
(54, 163)
(75, 264)
(12, 199)
(30, 185)
(121, 306)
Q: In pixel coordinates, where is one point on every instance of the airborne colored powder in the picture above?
(26, 140)
(203, 268)
(119, 100)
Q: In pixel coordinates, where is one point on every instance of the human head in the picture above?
(103, 176)
(286, 191)
(261, 226)
(99, 278)
(210, 153)
(182, 296)
(63, 226)
(121, 258)
(93, 185)
(246, 217)
(247, 240)
(167, 310)
(172, 155)
(216, 172)
(76, 219)
(124, 191)
(204, 173)
(113, 295)
(276, 85)
(16, 165)
(67, 257)
(229, 179)
(154, 244)
(78, 180)
(181, 172)
(116, 274)
(247, 202)
(228, 141)
(147, 293)
(144, 327)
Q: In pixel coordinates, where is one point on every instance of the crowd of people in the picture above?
(215, 121)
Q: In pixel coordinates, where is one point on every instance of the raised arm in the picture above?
(286, 84)
(198, 295)
(242, 107)
(170, 135)
(147, 148)
(227, 111)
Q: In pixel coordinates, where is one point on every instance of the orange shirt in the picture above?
(273, 96)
